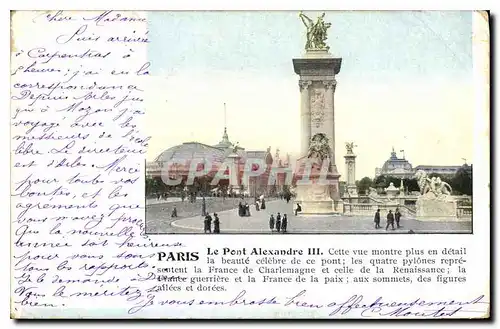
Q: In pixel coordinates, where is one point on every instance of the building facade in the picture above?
(401, 168)
(395, 167)
(178, 161)
(442, 170)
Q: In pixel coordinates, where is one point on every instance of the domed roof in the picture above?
(192, 150)
(224, 143)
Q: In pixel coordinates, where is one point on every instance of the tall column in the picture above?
(317, 71)
(234, 170)
(350, 164)
(305, 116)
(330, 128)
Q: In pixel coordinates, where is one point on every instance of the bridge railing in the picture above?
(369, 209)
(464, 211)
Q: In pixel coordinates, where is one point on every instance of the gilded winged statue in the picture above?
(316, 31)
(349, 147)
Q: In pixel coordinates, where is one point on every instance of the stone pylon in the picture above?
(317, 70)
(350, 166)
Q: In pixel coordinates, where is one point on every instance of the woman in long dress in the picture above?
(271, 223)
(216, 224)
(284, 223)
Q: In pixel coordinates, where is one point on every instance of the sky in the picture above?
(405, 82)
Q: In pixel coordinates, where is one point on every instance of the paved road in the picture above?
(231, 223)
(158, 213)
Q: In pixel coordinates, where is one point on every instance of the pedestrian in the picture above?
(257, 205)
(263, 204)
(377, 219)
(397, 216)
(271, 223)
(247, 210)
(390, 220)
(206, 225)
(203, 207)
(216, 224)
(284, 223)
(174, 212)
(278, 222)
(240, 209)
(298, 209)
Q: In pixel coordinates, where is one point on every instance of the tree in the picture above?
(411, 184)
(380, 182)
(462, 181)
(149, 185)
(286, 191)
(364, 184)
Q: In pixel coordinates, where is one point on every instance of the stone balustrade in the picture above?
(464, 211)
(369, 209)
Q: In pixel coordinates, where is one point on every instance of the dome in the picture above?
(192, 150)
(224, 143)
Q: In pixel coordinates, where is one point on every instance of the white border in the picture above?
(178, 5)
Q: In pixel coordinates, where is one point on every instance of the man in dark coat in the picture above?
(284, 223)
(240, 209)
(397, 216)
(377, 219)
(271, 223)
(278, 222)
(174, 212)
(390, 220)
(263, 205)
(216, 224)
(208, 223)
(298, 209)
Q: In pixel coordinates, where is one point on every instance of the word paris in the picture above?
(174, 172)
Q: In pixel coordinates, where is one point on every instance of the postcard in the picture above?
(250, 164)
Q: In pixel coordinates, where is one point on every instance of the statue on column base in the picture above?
(317, 179)
(352, 191)
(435, 202)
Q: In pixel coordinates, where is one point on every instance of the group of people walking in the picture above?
(391, 217)
(260, 204)
(208, 224)
(244, 210)
(279, 224)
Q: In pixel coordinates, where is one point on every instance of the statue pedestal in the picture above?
(318, 53)
(430, 208)
(352, 190)
(317, 193)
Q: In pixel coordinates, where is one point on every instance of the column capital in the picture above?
(330, 84)
(304, 84)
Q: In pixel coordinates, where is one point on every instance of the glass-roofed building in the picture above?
(178, 160)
